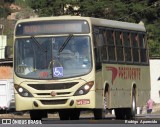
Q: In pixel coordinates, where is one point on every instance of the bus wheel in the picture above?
(133, 108)
(36, 114)
(99, 113)
(106, 97)
(64, 114)
(120, 113)
(74, 114)
(131, 112)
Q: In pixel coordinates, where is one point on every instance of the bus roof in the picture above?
(94, 21)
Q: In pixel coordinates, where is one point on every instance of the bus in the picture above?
(67, 64)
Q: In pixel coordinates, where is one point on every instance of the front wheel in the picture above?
(69, 114)
(64, 114)
(74, 114)
(38, 114)
(100, 113)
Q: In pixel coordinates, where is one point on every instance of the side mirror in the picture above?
(8, 52)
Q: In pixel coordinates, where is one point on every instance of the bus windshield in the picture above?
(42, 57)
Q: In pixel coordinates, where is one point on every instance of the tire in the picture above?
(131, 112)
(133, 107)
(37, 114)
(74, 114)
(64, 114)
(127, 113)
(100, 113)
(120, 113)
(69, 114)
(106, 97)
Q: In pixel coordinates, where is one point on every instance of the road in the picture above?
(152, 120)
(140, 119)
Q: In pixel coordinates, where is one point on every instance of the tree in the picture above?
(135, 11)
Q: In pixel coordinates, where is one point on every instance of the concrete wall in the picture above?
(155, 83)
(3, 43)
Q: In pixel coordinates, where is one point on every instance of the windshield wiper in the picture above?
(39, 45)
(42, 48)
(65, 43)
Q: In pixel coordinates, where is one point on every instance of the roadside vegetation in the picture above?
(146, 11)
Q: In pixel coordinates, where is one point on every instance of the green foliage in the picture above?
(147, 11)
(21, 3)
(135, 11)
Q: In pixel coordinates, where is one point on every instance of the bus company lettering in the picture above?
(127, 73)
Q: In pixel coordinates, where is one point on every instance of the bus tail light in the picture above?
(22, 91)
(84, 89)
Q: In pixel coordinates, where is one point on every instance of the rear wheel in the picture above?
(127, 113)
(131, 112)
(120, 113)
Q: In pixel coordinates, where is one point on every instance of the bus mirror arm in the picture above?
(8, 52)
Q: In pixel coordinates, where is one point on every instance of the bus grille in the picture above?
(57, 86)
(62, 93)
(53, 102)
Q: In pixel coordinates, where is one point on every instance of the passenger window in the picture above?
(127, 46)
(119, 45)
(135, 46)
(111, 45)
(143, 51)
(104, 49)
(99, 42)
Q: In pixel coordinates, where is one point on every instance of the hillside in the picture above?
(147, 11)
(10, 13)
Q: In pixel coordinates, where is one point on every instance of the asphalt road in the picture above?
(152, 120)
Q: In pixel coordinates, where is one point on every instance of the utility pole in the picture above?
(2, 6)
(1, 28)
(3, 17)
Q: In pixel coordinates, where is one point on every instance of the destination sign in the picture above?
(52, 27)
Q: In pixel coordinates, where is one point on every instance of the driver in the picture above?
(71, 55)
(73, 49)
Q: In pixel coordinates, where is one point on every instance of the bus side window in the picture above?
(97, 52)
(119, 46)
(143, 51)
(104, 47)
(135, 46)
(127, 46)
(111, 45)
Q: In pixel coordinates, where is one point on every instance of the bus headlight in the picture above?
(22, 91)
(84, 89)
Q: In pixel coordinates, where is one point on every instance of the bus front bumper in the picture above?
(84, 101)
